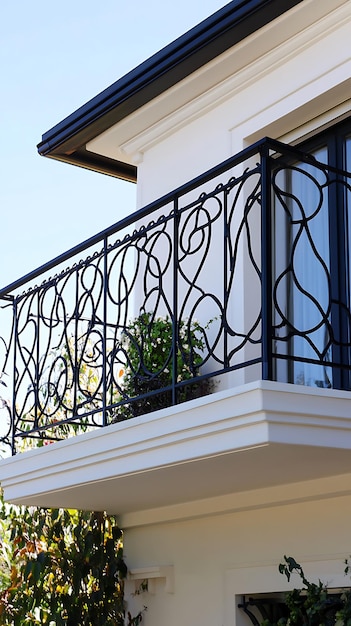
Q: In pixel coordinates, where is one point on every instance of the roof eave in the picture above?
(234, 22)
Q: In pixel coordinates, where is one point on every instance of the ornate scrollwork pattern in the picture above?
(162, 307)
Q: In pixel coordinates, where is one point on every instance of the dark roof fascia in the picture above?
(98, 163)
(234, 22)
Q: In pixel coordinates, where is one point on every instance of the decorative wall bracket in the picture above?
(150, 574)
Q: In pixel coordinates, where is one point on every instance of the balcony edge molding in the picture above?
(251, 417)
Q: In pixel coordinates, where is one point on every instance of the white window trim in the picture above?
(256, 578)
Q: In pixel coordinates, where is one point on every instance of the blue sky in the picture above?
(54, 56)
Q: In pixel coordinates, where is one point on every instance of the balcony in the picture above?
(180, 329)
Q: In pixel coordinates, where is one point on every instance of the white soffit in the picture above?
(217, 80)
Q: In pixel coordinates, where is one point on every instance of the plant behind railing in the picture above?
(145, 366)
(149, 344)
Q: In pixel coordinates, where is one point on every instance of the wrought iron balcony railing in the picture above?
(237, 275)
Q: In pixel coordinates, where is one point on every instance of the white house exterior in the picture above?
(211, 493)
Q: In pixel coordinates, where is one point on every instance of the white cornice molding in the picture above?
(243, 79)
(132, 145)
(267, 405)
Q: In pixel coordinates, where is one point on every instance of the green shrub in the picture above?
(147, 345)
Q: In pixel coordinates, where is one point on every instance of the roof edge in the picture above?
(204, 42)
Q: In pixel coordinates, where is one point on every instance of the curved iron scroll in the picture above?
(196, 260)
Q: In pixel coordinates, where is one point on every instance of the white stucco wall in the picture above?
(288, 81)
(218, 558)
(280, 93)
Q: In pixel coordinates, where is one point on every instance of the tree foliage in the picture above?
(60, 567)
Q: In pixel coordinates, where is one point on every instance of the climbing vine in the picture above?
(313, 604)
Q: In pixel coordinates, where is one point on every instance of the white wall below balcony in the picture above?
(218, 558)
(210, 495)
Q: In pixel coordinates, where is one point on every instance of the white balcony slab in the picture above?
(259, 435)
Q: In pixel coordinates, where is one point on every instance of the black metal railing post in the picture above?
(339, 289)
(37, 364)
(14, 377)
(76, 346)
(266, 263)
(226, 260)
(175, 299)
(104, 338)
